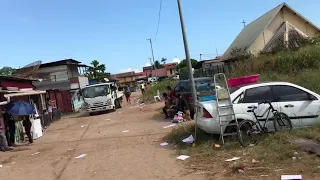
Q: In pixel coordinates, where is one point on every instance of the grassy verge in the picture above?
(270, 158)
(161, 86)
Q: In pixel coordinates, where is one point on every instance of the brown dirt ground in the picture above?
(111, 154)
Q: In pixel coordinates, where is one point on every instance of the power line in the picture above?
(159, 18)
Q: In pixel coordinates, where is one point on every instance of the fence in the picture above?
(206, 72)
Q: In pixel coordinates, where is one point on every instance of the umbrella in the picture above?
(20, 108)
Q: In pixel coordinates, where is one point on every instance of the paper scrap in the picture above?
(232, 159)
(183, 157)
(83, 126)
(81, 156)
(1, 166)
(189, 139)
(125, 131)
(291, 177)
(171, 125)
(35, 153)
(164, 144)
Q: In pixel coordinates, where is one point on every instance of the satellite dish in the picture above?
(28, 70)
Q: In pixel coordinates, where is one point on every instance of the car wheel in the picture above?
(90, 114)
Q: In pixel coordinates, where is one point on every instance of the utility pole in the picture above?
(154, 66)
(200, 57)
(186, 49)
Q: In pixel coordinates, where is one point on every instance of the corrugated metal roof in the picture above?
(250, 33)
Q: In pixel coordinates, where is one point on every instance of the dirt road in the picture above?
(111, 153)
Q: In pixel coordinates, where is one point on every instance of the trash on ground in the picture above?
(254, 161)
(291, 177)
(35, 153)
(72, 149)
(241, 171)
(164, 144)
(183, 157)
(83, 126)
(1, 166)
(232, 159)
(125, 131)
(278, 170)
(171, 125)
(264, 175)
(81, 156)
(217, 145)
(188, 140)
(107, 119)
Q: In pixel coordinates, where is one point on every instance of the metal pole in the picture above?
(154, 66)
(186, 49)
(200, 57)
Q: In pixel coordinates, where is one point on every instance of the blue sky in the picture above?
(115, 31)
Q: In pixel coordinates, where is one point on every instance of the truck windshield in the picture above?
(95, 91)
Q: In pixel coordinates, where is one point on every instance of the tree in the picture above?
(6, 71)
(97, 71)
(163, 60)
(183, 64)
(157, 64)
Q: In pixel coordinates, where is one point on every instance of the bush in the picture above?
(161, 86)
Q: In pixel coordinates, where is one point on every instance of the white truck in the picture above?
(101, 97)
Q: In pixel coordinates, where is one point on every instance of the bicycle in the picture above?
(253, 129)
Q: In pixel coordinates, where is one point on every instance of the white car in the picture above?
(300, 104)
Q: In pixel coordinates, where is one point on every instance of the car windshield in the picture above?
(95, 91)
(205, 87)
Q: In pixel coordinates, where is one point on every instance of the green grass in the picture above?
(161, 86)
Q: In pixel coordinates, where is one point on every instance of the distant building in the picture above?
(61, 79)
(169, 70)
(282, 27)
(126, 78)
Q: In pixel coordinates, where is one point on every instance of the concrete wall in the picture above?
(284, 15)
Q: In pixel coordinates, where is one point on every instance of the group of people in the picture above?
(174, 104)
(8, 130)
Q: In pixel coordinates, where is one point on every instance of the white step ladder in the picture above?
(224, 106)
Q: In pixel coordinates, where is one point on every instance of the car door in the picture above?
(255, 95)
(299, 105)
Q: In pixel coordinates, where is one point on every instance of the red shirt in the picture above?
(171, 95)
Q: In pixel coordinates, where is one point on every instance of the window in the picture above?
(177, 88)
(258, 94)
(238, 99)
(171, 71)
(289, 93)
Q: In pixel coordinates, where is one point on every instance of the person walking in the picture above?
(3, 140)
(27, 127)
(127, 93)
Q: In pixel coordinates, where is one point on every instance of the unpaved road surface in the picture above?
(111, 153)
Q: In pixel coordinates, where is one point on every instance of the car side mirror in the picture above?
(312, 97)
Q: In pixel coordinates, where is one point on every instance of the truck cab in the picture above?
(101, 97)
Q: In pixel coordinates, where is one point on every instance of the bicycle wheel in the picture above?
(282, 122)
(248, 133)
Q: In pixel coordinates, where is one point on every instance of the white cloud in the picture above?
(176, 60)
(129, 70)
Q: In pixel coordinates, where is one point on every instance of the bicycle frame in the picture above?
(269, 109)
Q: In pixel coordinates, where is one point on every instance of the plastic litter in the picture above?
(183, 157)
(233, 159)
(81, 156)
(125, 131)
(35, 153)
(291, 177)
(171, 125)
(164, 144)
(188, 140)
(83, 126)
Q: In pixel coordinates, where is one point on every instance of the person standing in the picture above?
(50, 109)
(27, 127)
(167, 105)
(171, 95)
(11, 128)
(3, 140)
(142, 88)
(127, 93)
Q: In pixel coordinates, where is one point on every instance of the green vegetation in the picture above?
(6, 71)
(300, 67)
(97, 71)
(161, 86)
